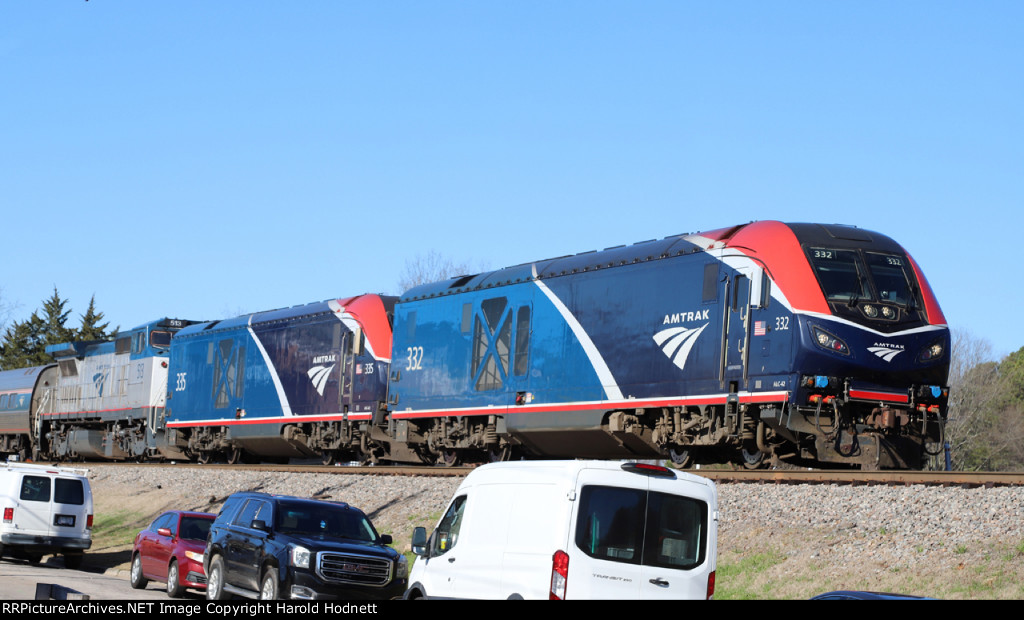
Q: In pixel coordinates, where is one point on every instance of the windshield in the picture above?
(325, 520)
(849, 276)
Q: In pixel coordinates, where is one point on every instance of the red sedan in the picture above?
(171, 550)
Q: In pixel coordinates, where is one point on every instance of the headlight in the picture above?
(299, 557)
(194, 556)
(931, 353)
(826, 340)
(402, 570)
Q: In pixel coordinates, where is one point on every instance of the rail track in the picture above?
(723, 476)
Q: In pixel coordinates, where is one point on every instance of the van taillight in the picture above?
(88, 522)
(711, 585)
(8, 515)
(559, 575)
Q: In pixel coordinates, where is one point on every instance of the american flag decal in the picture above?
(760, 328)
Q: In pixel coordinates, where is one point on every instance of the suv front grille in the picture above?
(357, 569)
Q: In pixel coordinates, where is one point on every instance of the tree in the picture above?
(24, 342)
(91, 328)
(431, 267)
(985, 429)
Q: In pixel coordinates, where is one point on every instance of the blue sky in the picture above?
(204, 159)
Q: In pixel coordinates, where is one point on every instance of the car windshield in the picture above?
(325, 520)
(195, 528)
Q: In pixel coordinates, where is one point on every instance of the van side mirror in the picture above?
(419, 541)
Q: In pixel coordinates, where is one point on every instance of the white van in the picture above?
(571, 529)
(46, 509)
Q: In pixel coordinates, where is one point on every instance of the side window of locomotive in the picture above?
(741, 294)
(710, 282)
(522, 355)
(492, 339)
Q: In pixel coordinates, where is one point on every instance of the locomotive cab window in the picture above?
(840, 274)
(891, 278)
(160, 339)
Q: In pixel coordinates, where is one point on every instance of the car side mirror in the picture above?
(385, 539)
(261, 525)
(163, 531)
(419, 541)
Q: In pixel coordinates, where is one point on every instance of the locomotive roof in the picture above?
(654, 249)
(310, 310)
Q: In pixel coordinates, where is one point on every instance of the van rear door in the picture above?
(638, 536)
(32, 512)
(71, 507)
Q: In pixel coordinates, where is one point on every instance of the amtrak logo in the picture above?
(885, 351)
(676, 342)
(99, 379)
(319, 375)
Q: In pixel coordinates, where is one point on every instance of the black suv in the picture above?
(270, 546)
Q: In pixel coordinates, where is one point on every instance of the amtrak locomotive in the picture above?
(766, 342)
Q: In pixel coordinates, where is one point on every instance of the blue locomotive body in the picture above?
(295, 382)
(719, 346)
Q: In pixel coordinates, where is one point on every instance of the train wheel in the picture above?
(499, 455)
(682, 457)
(752, 459)
(235, 456)
(328, 457)
(203, 457)
(450, 458)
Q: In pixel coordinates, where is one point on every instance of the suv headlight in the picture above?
(299, 557)
(402, 570)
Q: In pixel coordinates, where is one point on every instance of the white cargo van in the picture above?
(571, 530)
(46, 509)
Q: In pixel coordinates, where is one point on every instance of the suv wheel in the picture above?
(137, 580)
(215, 580)
(268, 587)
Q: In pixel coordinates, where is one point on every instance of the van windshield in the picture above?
(633, 526)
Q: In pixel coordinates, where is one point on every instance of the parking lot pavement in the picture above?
(21, 581)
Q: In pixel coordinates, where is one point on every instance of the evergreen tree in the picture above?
(24, 344)
(55, 318)
(91, 328)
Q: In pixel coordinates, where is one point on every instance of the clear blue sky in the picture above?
(203, 159)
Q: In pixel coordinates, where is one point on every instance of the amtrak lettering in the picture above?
(685, 317)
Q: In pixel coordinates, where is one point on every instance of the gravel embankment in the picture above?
(823, 536)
